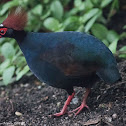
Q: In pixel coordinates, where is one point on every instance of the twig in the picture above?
(11, 104)
(91, 122)
(116, 85)
(106, 122)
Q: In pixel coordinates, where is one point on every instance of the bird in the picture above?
(63, 60)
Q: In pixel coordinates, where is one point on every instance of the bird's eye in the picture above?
(2, 31)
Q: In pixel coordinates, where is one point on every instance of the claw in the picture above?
(79, 109)
(59, 114)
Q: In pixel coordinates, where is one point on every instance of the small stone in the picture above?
(124, 119)
(102, 105)
(22, 85)
(2, 93)
(43, 84)
(98, 97)
(66, 118)
(70, 115)
(26, 85)
(54, 96)
(108, 119)
(18, 113)
(104, 92)
(39, 87)
(114, 116)
(45, 98)
(110, 105)
(74, 101)
(37, 83)
(58, 104)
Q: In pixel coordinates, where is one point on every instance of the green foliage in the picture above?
(37, 10)
(7, 50)
(122, 52)
(12, 63)
(57, 15)
(109, 37)
(7, 74)
(51, 24)
(57, 9)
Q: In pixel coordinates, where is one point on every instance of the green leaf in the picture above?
(89, 15)
(124, 27)
(18, 70)
(9, 5)
(57, 9)
(23, 72)
(7, 74)
(96, 2)
(92, 21)
(123, 36)
(72, 12)
(20, 61)
(122, 56)
(112, 35)
(46, 1)
(45, 15)
(105, 42)
(105, 3)
(51, 24)
(80, 28)
(4, 65)
(123, 48)
(7, 50)
(113, 46)
(77, 3)
(114, 6)
(123, 52)
(2, 40)
(37, 10)
(88, 4)
(71, 23)
(99, 30)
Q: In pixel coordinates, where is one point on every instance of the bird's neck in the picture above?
(19, 35)
(27, 42)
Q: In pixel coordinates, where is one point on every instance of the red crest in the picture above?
(17, 19)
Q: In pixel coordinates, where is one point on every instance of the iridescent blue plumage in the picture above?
(56, 57)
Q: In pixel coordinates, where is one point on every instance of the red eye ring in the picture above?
(3, 31)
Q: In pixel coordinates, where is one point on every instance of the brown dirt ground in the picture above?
(35, 101)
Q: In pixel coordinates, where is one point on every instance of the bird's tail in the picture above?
(109, 74)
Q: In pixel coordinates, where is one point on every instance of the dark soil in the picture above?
(35, 101)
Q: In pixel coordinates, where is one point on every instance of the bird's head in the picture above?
(16, 21)
(5, 32)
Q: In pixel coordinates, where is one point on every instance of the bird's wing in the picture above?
(62, 57)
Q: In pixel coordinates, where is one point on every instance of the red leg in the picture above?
(83, 104)
(64, 109)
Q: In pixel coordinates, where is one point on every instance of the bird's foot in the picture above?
(79, 109)
(64, 109)
(59, 114)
